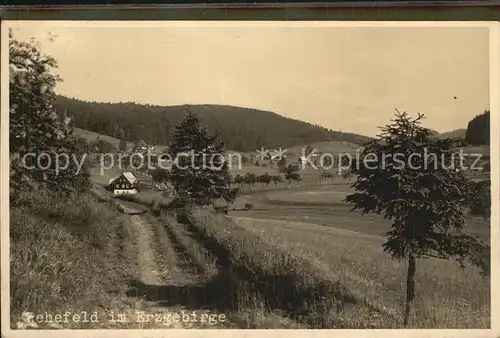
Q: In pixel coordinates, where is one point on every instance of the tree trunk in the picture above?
(410, 287)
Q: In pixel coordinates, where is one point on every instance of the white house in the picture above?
(124, 184)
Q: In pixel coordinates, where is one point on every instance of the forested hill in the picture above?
(242, 129)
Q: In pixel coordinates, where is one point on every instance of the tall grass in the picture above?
(67, 253)
(447, 296)
(303, 289)
(202, 259)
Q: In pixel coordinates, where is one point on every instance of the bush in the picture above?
(481, 198)
(248, 206)
(167, 194)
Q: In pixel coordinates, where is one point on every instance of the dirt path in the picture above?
(162, 308)
(148, 269)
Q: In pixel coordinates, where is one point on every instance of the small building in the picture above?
(124, 184)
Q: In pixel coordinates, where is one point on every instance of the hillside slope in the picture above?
(91, 137)
(457, 133)
(242, 129)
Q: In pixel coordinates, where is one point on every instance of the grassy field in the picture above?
(301, 259)
(330, 277)
(323, 205)
(356, 260)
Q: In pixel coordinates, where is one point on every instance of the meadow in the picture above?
(329, 277)
(300, 254)
(356, 261)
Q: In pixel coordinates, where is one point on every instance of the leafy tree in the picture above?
(277, 179)
(478, 129)
(138, 145)
(427, 199)
(282, 164)
(265, 179)
(291, 174)
(481, 199)
(122, 146)
(297, 178)
(239, 180)
(250, 179)
(200, 168)
(160, 175)
(257, 163)
(104, 146)
(35, 127)
(82, 145)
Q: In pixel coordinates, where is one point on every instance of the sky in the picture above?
(344, 78)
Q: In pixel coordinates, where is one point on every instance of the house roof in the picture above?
(128, 175)
(113, 179)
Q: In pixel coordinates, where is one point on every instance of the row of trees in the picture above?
(250, 179)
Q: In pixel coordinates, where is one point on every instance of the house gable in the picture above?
(125, 181)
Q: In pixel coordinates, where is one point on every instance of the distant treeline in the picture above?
(478, 130)
(241, 129)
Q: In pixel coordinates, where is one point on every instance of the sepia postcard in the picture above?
(160, 177)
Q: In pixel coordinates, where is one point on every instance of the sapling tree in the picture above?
(417, 181)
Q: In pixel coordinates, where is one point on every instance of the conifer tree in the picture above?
(200, 169)
(426, 197)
